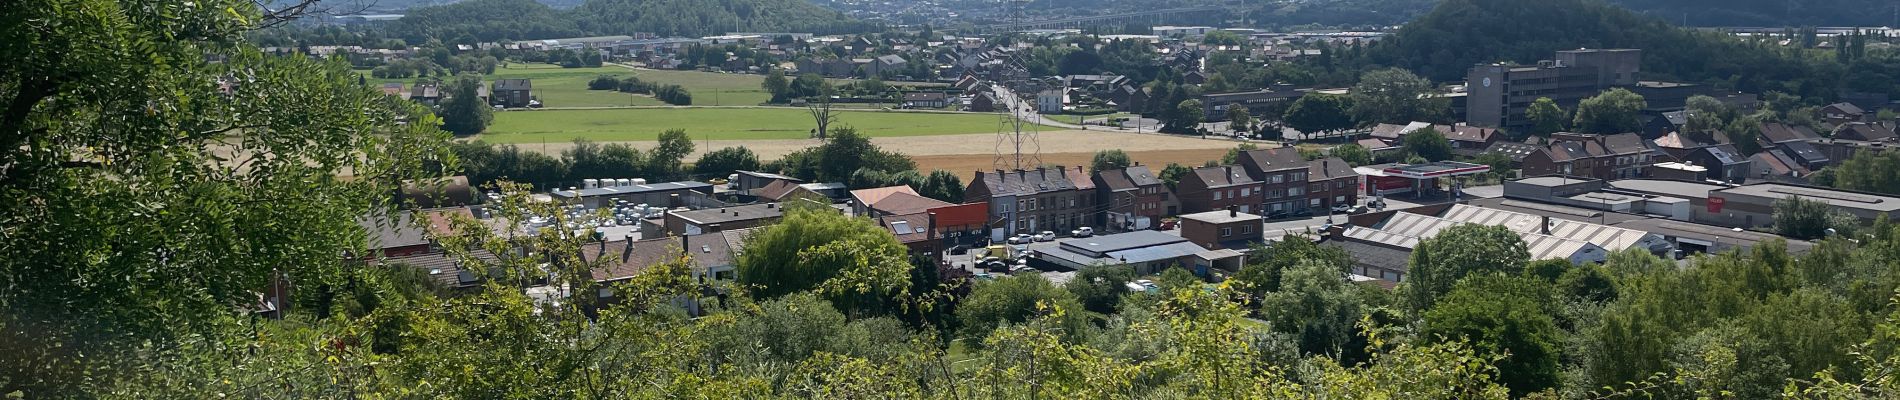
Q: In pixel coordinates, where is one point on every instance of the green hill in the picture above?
(492, 20)
(1457, 34)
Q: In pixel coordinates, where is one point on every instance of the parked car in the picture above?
(1046, 236)
(1083, 232)
(1021, 238)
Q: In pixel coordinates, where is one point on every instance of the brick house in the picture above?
(1222, 229)
(1607, 157)
(1218, 188)
(512, 93)
(1330, 182)
(1031, 201)
(1132, 198)
(1282, 174)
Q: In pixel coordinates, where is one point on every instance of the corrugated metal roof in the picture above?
(1605, 236)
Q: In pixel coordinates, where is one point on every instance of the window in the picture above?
(1299, 176)
(1297, 191)
(1246, 229)
(1339, 199)
(1313, 203)
(1217, 194)
(1277, 178)
(1340, 184)
(1225, 232)
(1246, 191)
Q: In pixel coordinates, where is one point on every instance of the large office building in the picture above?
(1498, 94)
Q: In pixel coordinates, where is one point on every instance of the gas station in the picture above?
(1421, 180)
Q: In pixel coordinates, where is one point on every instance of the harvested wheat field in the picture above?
(964, 154)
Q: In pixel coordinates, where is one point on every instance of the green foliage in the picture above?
(1186, 116)
(844, 153)
(1233, 154)
(942, 185)
(1319, 113)
(1428, 144)
(1546, 117)
(779, 86)
(719, 163)
(1109, 160)
(1100, 288)
(1395, 96)
(464, 112)
(1811, 219)
(1319, 308)
(663, 163)
(1459, 251)
(1869, 171)
(1262, 273)
(1017, 299)
(1615, 111)
(1354, 154)
(1503, 315)
(850, 260)
(1172, 173)
(496, 20)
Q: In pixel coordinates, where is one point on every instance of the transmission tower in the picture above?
(1016, 148)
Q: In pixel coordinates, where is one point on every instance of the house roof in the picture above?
(1329, 168)
(1274, 159)
(1467, 133)
(1223, 176)
(1221, 217)
(1863, 131)
(445, 269)
(1027, 182)
(1677, 140)
(924, 96)
(1846, 107)
(513, 84)
(1624, 143)
(909, 228)
(1725, 154)
(1803, 152)
(1515, 150)
(778, 189)
(1079, 177)
(1774, 161)
(768, 175)
(731, 214)
(906, 203)
(1375, 144)
(1776, 132)
(1130, 178)
(869, 197)
(386, 231)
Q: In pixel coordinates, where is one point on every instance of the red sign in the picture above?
(1715, 204)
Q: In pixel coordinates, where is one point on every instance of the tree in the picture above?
(847, 151)
(1233, 154)
(664, 161)
(817, 249)
(1429, 144)
(1800, 218)
(1172, 173)
(1354, 154)
(1459, 251)
(217, 190)
(1017, 299)
(1394, 96)
(1318, 307)
(1503, 315)
(1706, 114)
(725, 161)
(1109, 160)
(1187, 116)
(1262, 273)
(1100, 288)
(1870, 171)
(1319, 114)
(1546, 117)
(464, 113)
(1615, 111)
(942, 185)
(1238, 119)
(779, 86)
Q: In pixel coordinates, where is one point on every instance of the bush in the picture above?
(673, 94)
(604, 82)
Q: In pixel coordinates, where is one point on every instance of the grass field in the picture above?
(642, 124)
(1077, 119)
(561, 87)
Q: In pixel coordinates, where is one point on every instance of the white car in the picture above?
(1046, 236)
(1021, 238)
(1084, 232)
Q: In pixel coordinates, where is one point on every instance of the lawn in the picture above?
(560, 87)
(643, 124)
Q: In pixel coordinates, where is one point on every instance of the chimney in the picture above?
(1545, 226)
(683, 243)
(628, 252)
(932, 229)
(1232, 213)
(712, 228)
(769, 206)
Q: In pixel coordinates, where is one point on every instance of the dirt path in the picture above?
(960, 151)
